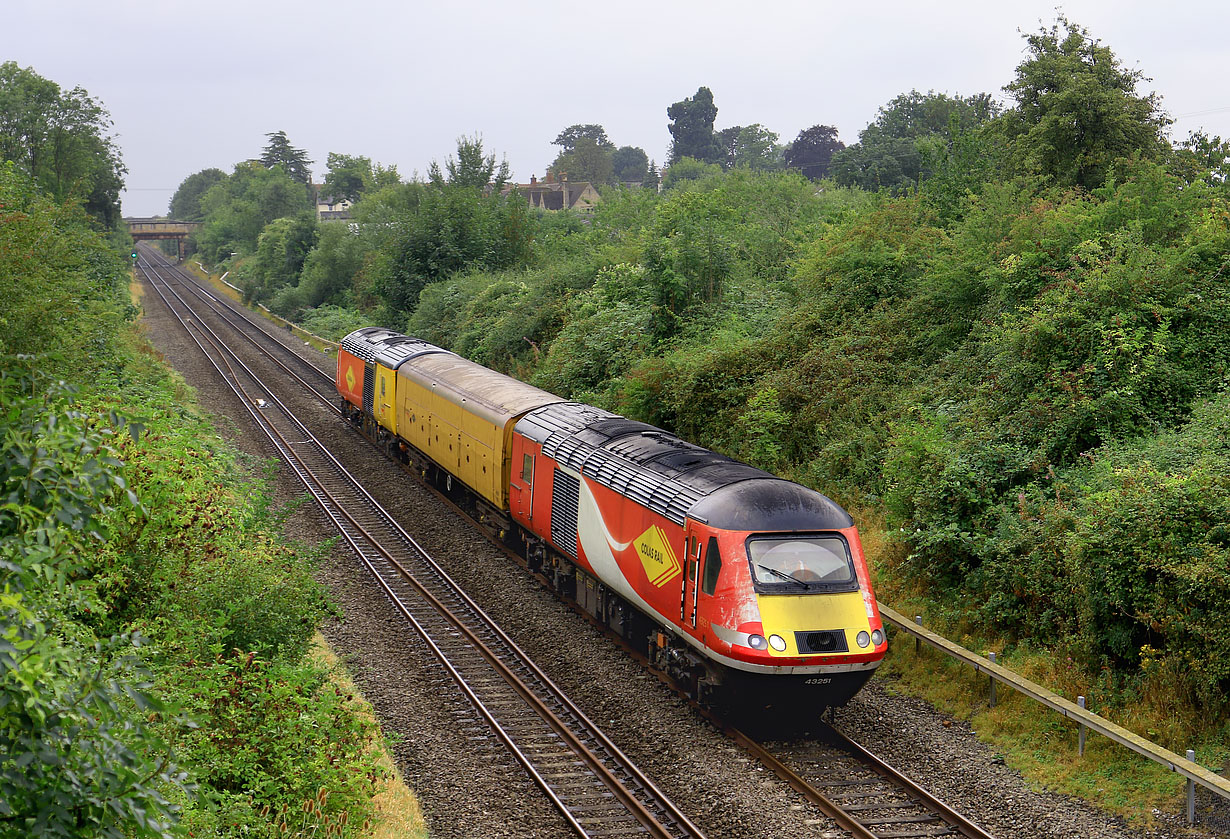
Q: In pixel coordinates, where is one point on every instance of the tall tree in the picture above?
(588, 161)
(1203, 158)
(238, 207)
(350, 177)
(471, 168)
(630, 163)
(812, 151)
(1077, 109)
(653, 179)
(691, 129)
(186, 202)
(568, 138)
(347, 176)
(756, 148)
(727, 138)
(294, 161)
(889, 153)
(62, 140)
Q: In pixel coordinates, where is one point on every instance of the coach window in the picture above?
(527, 470)
(713, 566)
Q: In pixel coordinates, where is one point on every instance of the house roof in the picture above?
(572, 192)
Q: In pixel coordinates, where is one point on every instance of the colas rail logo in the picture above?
(656, 555)
(350, 378)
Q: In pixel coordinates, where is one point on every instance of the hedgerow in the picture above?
(154, 624)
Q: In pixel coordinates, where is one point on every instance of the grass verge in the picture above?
(398, 815)
(1040, 744)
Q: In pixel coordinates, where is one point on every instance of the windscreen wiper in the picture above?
(784, 575)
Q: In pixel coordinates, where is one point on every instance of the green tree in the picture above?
(688, 169)
(756, 148)
(588, 161)
(1077, 109)
(726, 138)
(1202, 157)
(61, 139)
(652, 177)
(186, 202)
(812, 151)
(471, 168)
(347, 176)
(329, 270)
(888, 153)
(283, 246)
(63, 287)
(352, 177)
(630, 164)
(570, 136)
(238, 208)
(294, 161)
(691, 129)
(445, 226)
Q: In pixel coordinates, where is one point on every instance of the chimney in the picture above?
(533, 179)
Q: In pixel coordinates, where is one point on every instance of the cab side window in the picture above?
(713, 567)
(527, 469)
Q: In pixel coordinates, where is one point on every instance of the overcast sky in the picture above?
(198, 85)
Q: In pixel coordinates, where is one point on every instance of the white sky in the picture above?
(198, 85)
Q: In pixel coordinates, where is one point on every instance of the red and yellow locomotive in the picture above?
(742, 585)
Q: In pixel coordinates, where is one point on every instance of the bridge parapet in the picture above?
(153, 229)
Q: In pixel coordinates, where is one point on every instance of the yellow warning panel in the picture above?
(656, 555)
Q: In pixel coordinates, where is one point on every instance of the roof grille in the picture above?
(565, 497)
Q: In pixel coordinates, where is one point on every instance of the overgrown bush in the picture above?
(78, 755)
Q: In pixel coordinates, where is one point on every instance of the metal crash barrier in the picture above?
(1186, 766)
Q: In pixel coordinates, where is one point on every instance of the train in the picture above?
(742, 586)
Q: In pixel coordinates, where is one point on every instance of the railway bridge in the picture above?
(154, 229)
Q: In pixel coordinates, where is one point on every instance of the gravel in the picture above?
(469, 787)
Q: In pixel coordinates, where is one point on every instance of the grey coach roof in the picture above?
(375, 343)
(673, 477)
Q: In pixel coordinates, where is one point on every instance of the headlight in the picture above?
(877, 637)
(777, 642)
(757, 642)
(863, 638)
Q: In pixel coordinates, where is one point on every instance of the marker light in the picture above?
(777, 642)
(863, 638)
(877, 637)
(756, 642)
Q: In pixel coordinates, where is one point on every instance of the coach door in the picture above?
(691, 576)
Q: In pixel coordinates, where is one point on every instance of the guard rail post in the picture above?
(991, 679)
(1080, 737)
(1191, 792)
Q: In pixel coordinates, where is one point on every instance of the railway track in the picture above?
(861, 793)
(597, 790)
(857, 789)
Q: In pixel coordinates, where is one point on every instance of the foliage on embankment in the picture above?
(154, 627)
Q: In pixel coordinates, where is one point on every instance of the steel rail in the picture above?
(228, 313)
(878, 765)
